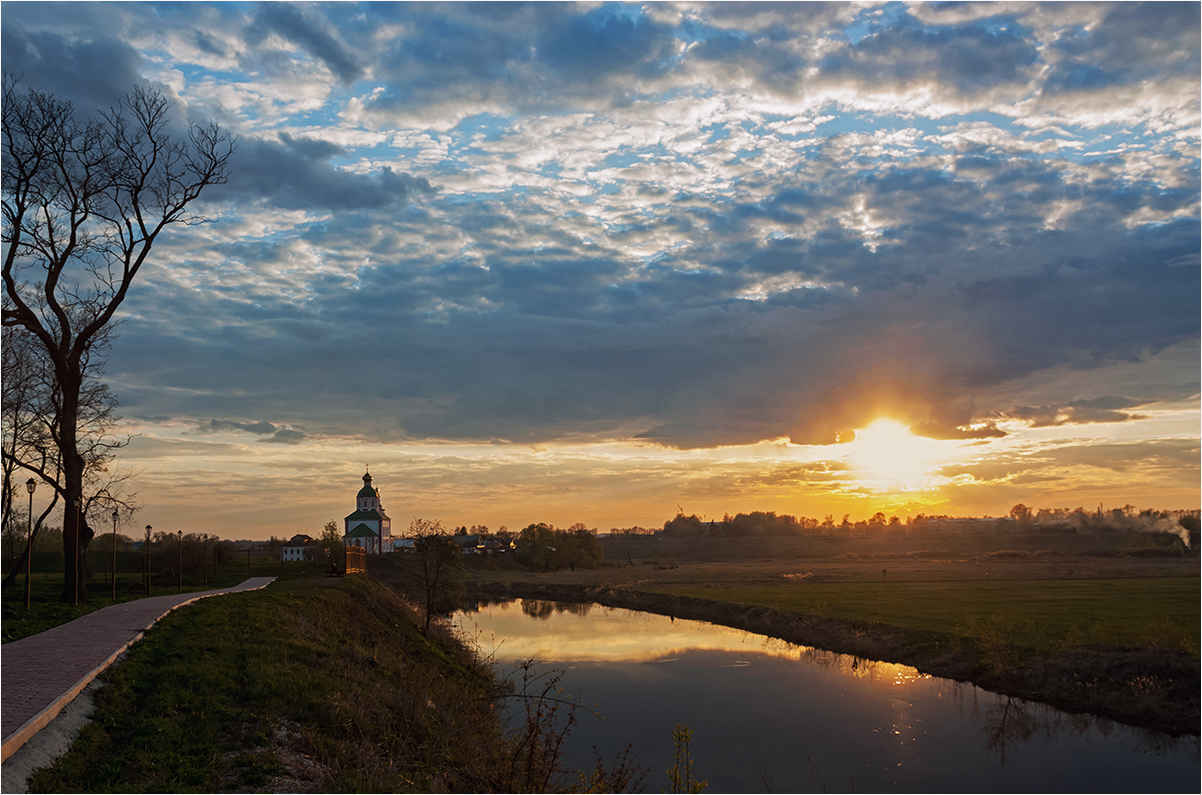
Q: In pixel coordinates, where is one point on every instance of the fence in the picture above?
(356, 561)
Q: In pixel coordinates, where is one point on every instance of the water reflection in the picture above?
(770, 714)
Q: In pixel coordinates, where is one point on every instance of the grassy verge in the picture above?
(305, 686)
(314, 685)
(46, 611)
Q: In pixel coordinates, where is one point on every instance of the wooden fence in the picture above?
(356, 561)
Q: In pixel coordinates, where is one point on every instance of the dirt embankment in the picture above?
(1148, 689)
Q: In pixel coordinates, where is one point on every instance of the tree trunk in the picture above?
(73, 464)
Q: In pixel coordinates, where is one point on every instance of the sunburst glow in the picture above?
(887, 456)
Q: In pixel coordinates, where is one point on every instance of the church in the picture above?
(368, 528)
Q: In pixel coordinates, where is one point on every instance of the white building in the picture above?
(301, 547)
(368, 528)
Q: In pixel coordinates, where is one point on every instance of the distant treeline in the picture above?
(1183, 524)
(542, 546)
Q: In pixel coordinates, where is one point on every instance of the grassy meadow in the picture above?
(1101, 590)
(1142, 612)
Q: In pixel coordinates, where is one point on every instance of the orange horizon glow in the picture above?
(216, 483)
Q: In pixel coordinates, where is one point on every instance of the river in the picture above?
(769, 716)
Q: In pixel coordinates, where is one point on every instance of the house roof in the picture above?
(361, 531)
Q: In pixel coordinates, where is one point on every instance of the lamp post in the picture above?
(181, 561)
(78, 536)
(115, 515)
(204, 558)
(30, 485)
(148, 529)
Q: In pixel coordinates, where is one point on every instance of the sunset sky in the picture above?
(601, 262)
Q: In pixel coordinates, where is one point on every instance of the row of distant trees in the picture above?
(192, 549)
(1021, 517)
(541, 546)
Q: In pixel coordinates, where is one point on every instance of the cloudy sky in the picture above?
(601, 262)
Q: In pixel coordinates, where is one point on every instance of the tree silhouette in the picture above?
(84, 201)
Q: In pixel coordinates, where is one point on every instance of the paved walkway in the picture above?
(39, 675)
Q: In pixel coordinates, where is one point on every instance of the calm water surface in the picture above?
(770, 716)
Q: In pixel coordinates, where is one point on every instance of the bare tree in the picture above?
(84, 202)
(437, 566)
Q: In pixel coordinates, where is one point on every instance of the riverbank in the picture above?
(314, 685)
(1144, 687)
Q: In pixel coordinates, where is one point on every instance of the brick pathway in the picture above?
(39, 675)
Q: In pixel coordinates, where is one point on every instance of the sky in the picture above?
(602, 263)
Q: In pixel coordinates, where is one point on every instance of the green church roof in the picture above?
(373, 515)
(362, 531)
(367, 490)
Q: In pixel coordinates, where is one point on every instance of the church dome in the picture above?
(367, 490)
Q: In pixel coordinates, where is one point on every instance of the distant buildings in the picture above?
(368, 528)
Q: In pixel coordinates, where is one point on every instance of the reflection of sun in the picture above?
(887, 455)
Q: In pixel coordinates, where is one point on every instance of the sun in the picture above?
(887, 456)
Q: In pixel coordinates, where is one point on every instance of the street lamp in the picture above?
(181, 561)
(115, 515)
(204, 558)
(148, 529)
(30, 485)
(78, 535)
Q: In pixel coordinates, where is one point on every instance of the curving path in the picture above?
(41, 674)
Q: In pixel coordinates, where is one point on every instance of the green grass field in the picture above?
(1157, 612)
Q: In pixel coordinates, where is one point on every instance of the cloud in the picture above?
(605, 42)
(316, 36)
(1103, 409)
(260, 428)
(285, 436)
(970, 58)
(694, 225)
(94, 74)
(295, 173)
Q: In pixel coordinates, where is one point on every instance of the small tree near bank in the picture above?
(438, 568)
(84, 201)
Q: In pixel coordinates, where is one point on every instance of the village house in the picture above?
(368, 528)
(300, 547)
